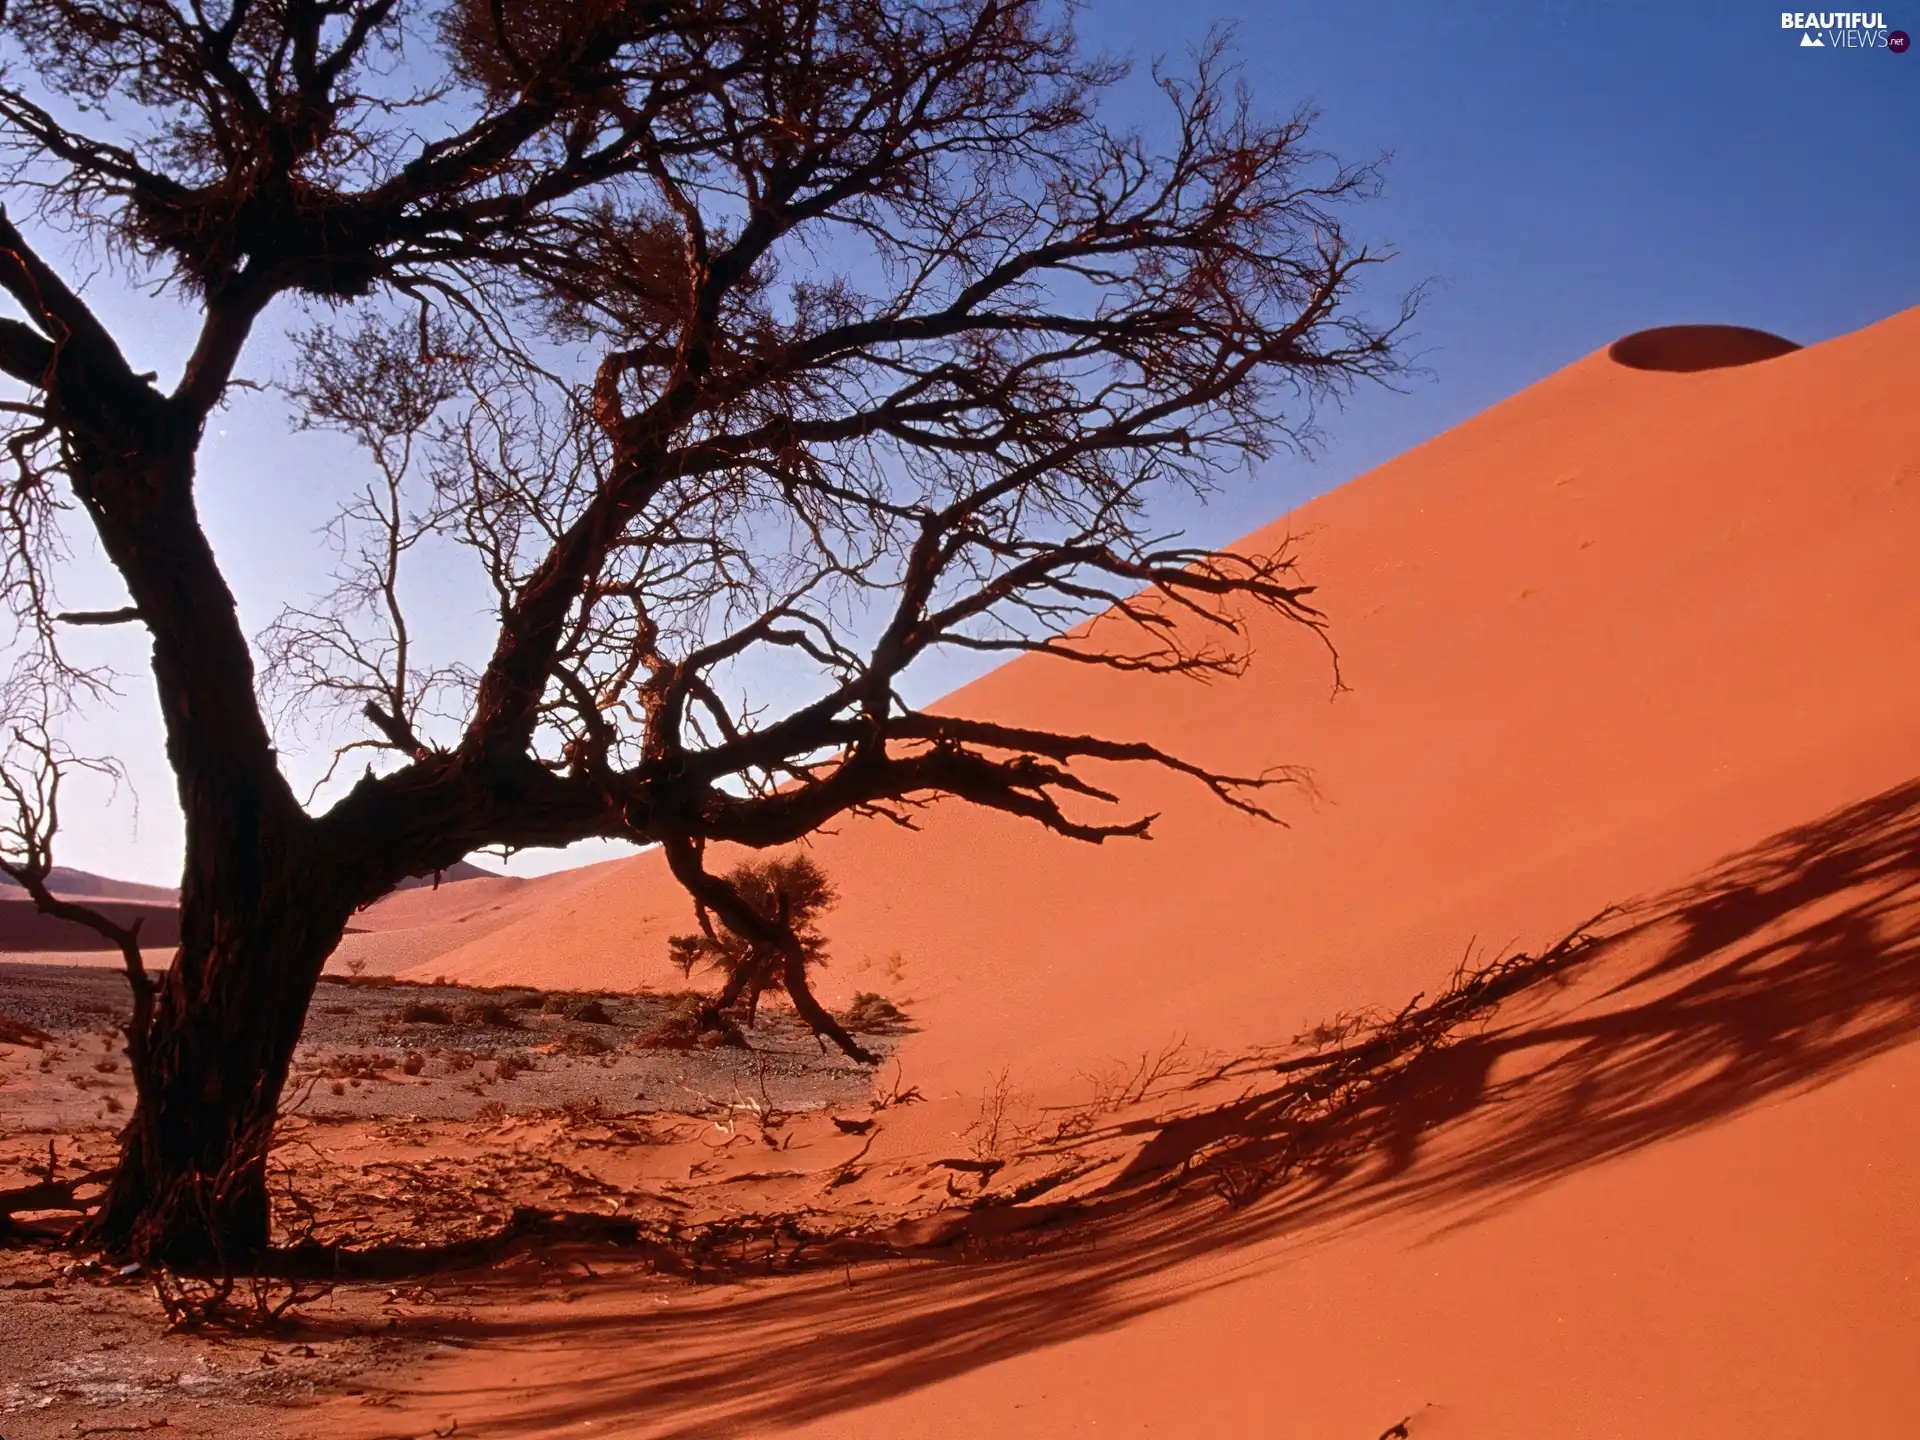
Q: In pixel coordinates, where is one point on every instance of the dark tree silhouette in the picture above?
(789, 893)
(826, 333)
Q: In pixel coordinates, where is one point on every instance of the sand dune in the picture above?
(1634, 621)
(411, 928)
(24, 928)
(79, 884)
(27, 935)
(1595, 638)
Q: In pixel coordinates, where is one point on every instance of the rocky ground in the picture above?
(376, 1048)
(417, 1114)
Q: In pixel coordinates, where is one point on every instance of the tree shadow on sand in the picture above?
(1781, 969)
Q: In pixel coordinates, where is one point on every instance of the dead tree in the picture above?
(833, 332)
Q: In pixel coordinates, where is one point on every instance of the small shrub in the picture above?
(356, 1065)
(459, 1061)
(694, 1025)
(418, 1012)
(532, 1000)
(493, 1112)
(487, 1013)
(414, 1063)
(338, 1087)
(587, 1044)
(590, 1012)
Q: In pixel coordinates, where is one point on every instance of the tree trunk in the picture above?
(812, 1011)
(190, 1191)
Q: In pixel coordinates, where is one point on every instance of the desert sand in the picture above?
(1593, 640)
(1642, 635)
(1636, 644)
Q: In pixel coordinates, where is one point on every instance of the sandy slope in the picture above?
(1618, 627)
(1594, 638)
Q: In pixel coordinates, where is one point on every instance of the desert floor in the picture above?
(1549, 1072)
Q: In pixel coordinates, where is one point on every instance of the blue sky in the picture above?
(1561, 174)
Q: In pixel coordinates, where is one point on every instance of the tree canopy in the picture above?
(720, 335)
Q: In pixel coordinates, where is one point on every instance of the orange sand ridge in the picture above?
(1621, 626)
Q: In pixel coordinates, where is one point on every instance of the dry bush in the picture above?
(493, 1112)
(459, 1061)
(590, 1012)
(570, 1043)
(356, 1065)
(489, 1013)
(694, 1025)
(994, 1132)
(873, 1014)
(896, 1092)
(419, 1012)
(508, 1066)
(1120, 1086)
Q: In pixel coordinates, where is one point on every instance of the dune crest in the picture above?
(1594, 639)
(1609, 643)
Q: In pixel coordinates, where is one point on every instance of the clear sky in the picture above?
(1563, 174)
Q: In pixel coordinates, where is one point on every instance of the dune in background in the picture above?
(1594, 639)
(1647, 629)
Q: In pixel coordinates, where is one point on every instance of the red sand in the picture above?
(1618, 627)
(1595, 638)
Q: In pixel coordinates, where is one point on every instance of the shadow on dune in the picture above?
(1776, 972)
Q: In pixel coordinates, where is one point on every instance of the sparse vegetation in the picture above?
(890, 335)
(696, 1023)
(487, 1013)
(783, 897)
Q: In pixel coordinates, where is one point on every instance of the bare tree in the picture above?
(725, 334)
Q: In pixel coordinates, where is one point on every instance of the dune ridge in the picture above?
(1631, 633)
(1594, 638)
